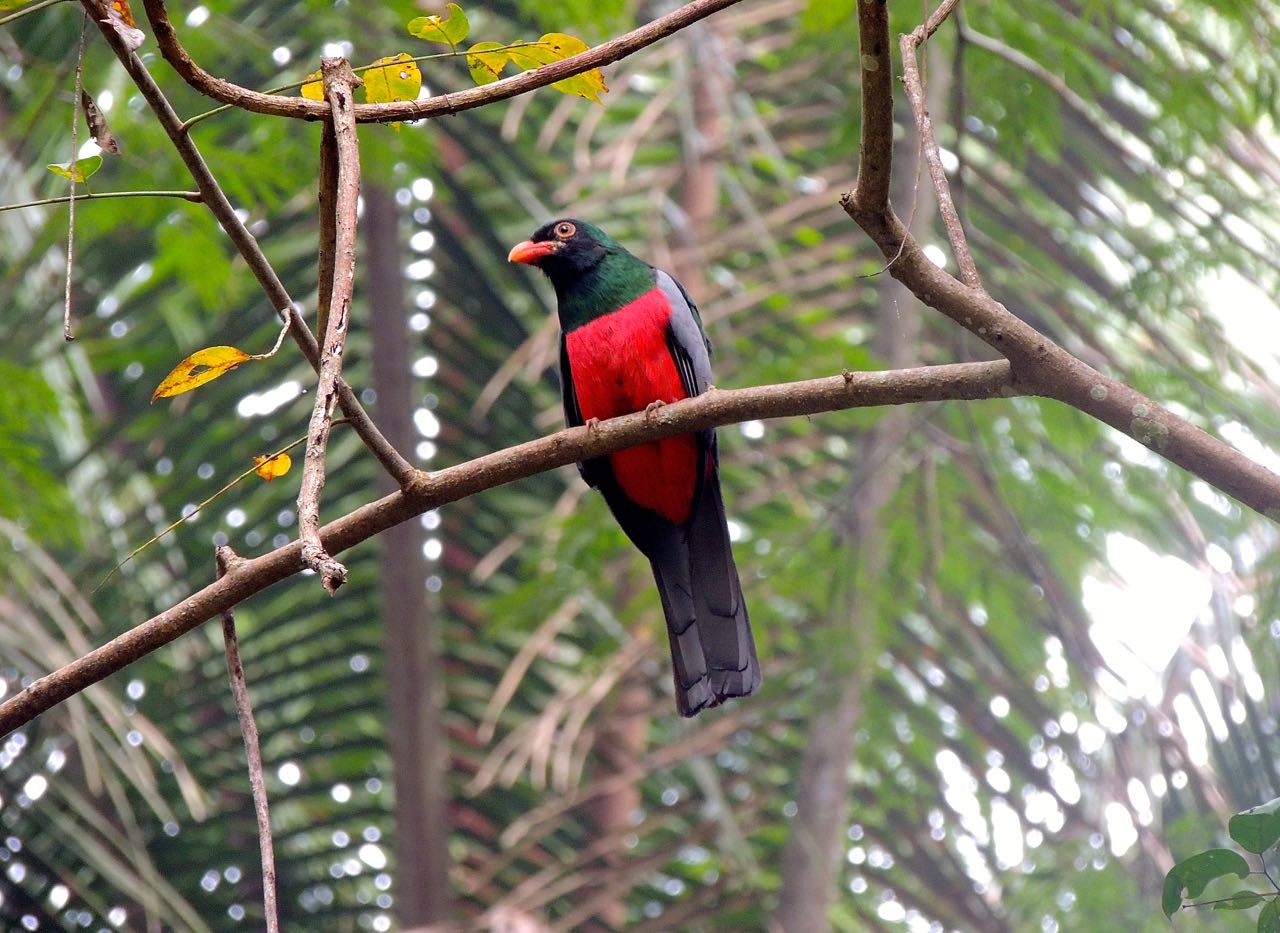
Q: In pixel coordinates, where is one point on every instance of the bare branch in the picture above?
(211, 192)
(301, 108)
(929, 143)
(224, 557)
(427, 491)
(339, 89)
(193, 196)
(71, 199)
(875, 153)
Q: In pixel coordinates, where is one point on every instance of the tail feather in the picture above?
(712, 649)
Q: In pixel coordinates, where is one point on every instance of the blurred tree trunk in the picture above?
(812, 858)
(415, 676)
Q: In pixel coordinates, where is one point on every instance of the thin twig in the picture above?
(190, 515)
(224, 557)
(71, 199)
(193, 196)
(400, 469)
(303, 109)
(339, 89)
(5, 20)
(909, 44)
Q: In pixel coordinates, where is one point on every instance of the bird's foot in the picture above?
(652, 407)
(592, 425)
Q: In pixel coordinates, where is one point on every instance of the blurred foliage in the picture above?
(1052, 716)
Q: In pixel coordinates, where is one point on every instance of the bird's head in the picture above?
(565, 249)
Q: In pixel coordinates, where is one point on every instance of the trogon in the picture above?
(631, 337)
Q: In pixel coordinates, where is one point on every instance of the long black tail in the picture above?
(712, 651)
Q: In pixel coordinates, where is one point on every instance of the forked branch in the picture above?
(1040, 366)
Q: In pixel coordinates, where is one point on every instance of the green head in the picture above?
(592, 273)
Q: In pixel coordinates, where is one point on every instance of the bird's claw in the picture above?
(592, 425)
(652, 407)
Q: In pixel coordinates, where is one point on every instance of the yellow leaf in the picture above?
(82, 170)
(270, 468)
(530, 55)
(553, 47)
(314, 89)
(450, 29)
(485, 63)
(200, 367)
(397, 79)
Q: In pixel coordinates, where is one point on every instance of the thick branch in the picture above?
(427, 491)
(1040, 366)
(301, 108)
(216, 200)
(339, 89)
(875, 153)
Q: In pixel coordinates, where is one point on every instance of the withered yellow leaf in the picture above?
(270, 468)
(200, 367)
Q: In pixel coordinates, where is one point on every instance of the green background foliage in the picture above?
(1128, 216)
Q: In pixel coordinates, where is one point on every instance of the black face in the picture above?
(564, 247)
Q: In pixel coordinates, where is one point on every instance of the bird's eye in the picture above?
(565, 230)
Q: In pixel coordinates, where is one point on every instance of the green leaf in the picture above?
(1196, 872)
(1258, 828)
(485, 62)
(450, 29)
(1269, 918)
(84, 168)
(1241, 900)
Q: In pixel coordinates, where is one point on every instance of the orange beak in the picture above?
(530, 252)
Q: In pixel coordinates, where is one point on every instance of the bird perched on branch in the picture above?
(631, 338)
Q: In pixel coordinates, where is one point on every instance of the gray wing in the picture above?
(686, 337)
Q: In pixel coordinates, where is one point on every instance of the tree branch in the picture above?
(224, 558)
(193, 196)
(1040, 366)
(426, 491)
(929, 143)
(216, 200)
(301, 108)
(339, 90)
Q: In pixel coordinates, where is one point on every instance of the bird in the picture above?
(631, 339)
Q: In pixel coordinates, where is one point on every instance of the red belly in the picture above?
(620, 363)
